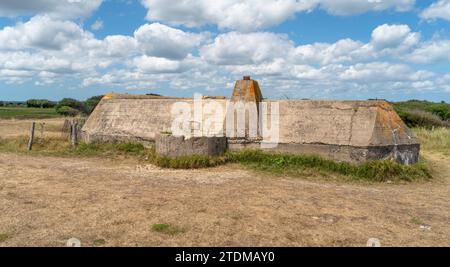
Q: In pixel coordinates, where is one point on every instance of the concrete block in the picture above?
(173, 146)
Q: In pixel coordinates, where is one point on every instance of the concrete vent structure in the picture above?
(247, 90)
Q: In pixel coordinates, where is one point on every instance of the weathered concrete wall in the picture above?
(348, 123)
(352, 131)
(121, 118)
(171, 146)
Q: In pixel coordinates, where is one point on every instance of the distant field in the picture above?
(22, 113)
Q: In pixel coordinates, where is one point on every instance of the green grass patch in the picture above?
(185, 162)
(98, 242)
(375, 171)
(22, 113)
(417, 221)
(4, 237)
(84, 149)
(167, 229)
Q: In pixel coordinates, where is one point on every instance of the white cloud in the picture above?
(394, 36)
(97, 25)
(40, 32)
(248, 15)
(54, 8)
(147, 64)
(25, 61)
(438, 10)
(432, 51)
(253, 48)
(378, 72)
(46, 51)
(234, 14)
(162, 41)
(352, 7)
(44, 44)
(235, 48)
(346, 50)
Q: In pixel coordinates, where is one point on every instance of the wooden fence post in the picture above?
(30, 141)
(73, 133)
(42, 124)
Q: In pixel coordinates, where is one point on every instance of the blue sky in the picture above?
(341, 49)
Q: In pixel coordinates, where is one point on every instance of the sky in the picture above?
(316, 49)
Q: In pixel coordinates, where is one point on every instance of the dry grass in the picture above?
(434, 140)
(275, 164)
(110, 201)
(46, 200)
(14, 128)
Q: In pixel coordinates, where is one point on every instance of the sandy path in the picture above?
(46, 200)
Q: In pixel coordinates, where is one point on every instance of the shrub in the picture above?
(40, 103)
(420, 113)
(442, 110)
(92, 102)
(67, 111)
(420, 118)
(72, 103)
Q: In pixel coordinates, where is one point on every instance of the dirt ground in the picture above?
(44, 201)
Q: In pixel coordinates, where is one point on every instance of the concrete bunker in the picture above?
(349, 131)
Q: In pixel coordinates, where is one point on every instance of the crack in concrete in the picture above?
(351, 125)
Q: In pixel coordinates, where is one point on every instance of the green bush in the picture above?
(72, 103)
(420, 118)
(67, 111)
(427, 114)
(40, 103)
(92, 102)
(442, 110)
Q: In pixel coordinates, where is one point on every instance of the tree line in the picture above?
(66, 107)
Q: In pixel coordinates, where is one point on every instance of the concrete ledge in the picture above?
(171, 146)
(404, 154)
